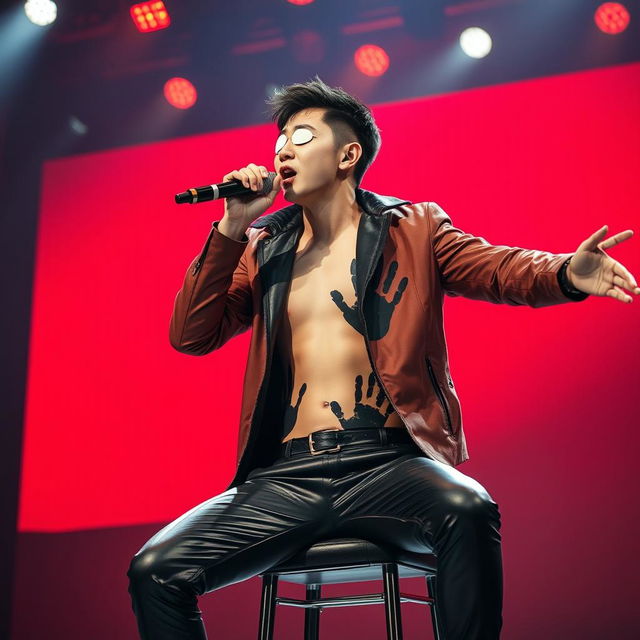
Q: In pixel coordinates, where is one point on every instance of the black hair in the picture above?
(345, 115)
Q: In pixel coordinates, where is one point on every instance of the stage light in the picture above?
(300, 2)
(41, 12)
(371, 60)
(612, 17)
(150, 16)
(180, 93)
(77, 126)
(475, 42)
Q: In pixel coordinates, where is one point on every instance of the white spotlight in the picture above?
(77, 126)
(475, 42)
(41, 12)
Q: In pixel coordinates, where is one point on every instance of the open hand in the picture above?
(591, 270)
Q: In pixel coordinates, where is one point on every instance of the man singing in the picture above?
(350, 421)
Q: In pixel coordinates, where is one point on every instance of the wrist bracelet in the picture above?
(567, 288)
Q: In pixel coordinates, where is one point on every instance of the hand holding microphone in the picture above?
(247, 193)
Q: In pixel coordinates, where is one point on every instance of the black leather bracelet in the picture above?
(567, 288)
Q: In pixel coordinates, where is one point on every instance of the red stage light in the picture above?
(612, 17)
(180, 93)
(371, 59)
(150, 16)
(299, 2)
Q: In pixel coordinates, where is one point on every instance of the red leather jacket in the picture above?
(233, 285)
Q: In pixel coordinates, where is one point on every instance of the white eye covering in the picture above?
(300, 136)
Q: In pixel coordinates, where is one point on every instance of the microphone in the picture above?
(232, 189)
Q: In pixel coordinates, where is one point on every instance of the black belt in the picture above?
(332, 439)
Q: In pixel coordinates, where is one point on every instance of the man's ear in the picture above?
(352, 154)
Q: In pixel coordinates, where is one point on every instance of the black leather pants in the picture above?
(393, 493)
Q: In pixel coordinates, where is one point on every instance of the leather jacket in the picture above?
(234, 285)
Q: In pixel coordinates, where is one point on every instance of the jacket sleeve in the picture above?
(215, 302)
(471, 267)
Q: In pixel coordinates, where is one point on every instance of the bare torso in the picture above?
(333, 382)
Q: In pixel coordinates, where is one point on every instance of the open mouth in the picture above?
(287, 176)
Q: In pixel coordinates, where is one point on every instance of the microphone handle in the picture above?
(233, 188)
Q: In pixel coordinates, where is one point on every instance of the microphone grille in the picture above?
(267, 183)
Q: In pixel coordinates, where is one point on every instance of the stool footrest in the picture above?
(350, 601)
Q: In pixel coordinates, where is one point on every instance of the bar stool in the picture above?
(339, 560)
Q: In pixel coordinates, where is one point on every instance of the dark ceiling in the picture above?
(93, 67)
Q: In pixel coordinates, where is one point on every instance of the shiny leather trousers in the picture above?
(392, 493)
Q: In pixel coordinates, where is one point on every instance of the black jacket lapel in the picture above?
(276, 256)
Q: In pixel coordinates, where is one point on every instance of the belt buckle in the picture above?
(314, 452)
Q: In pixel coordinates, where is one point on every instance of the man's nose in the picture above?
(286, 151)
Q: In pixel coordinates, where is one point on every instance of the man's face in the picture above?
(315, 159)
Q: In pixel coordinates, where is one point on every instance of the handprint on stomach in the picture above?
(291, 412)
(378, 310)
(365, 415)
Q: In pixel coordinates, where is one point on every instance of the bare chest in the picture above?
(322, 339)
(322, 285)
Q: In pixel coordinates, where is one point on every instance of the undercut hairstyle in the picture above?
(348, 118)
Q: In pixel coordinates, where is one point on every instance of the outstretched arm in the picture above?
(470, 266)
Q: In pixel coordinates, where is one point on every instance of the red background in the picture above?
(123, 430)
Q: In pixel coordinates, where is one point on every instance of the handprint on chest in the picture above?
(371, 408)
(378, 310)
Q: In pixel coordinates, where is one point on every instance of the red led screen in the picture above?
(121, 429)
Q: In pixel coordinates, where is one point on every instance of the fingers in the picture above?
(358, 388)
(399, 291)
(614, 240)
(619, 294)
(381, 397)
(623, 278)
(302, 391)
(258, 173)
(277, 183)
(336, 408)
(391, 272)
(370, 382)
(251, 176)
(239, 174)
(338, 299)
(595, 241)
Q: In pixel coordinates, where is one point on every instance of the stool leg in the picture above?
(435, 617)
(312, 615)
(268, 606)
(392, 600)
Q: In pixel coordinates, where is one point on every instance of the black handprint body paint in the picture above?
(365, 415)
(291, 413)
(378, 310)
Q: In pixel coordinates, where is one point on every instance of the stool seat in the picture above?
(337, 560)
(350, 560)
